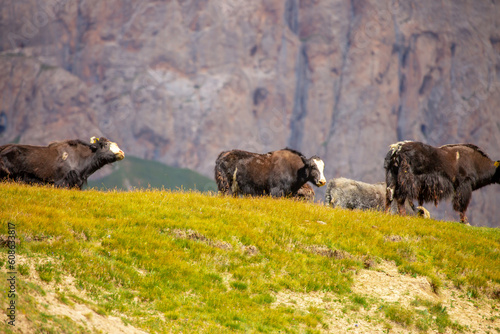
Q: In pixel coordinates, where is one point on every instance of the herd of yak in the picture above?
(414, 171)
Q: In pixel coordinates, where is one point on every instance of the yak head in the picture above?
(106, 150)
(316, 167)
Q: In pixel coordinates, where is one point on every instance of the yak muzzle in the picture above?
(321, 183)
(117, 151)
(120, 155)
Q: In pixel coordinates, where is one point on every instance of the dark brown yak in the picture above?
(428, 174)
(279, 173)
(64, 164)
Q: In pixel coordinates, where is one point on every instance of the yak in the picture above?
(351, 194)
(279, 173)
(415, 170)
(305, 193)
(64, 164)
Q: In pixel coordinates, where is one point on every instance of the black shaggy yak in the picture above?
(429, 174)
(278, 173)
(351, 194)
(64, 164)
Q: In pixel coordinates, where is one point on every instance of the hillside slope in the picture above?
(181, 81)
(136, 173)
(161, 261)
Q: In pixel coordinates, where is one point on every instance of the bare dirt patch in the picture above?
(51, 304)
(387, 284)
(85, 316)
(384, 284)
(336, 316)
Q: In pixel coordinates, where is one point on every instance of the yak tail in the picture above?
(223, 183)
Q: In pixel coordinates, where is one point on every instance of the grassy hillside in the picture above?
(135, 173)
(188, 262)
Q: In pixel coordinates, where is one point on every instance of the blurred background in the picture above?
(177, 82)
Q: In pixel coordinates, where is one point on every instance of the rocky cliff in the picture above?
(179, 81)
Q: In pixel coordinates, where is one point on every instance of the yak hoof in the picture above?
(463, 219)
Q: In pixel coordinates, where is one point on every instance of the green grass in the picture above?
(193, 262)
(400, 315)
(138, 173)
(434, 315)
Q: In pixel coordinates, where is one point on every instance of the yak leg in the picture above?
(227, 187)
(389, 197)
(420, 211)
(277, 192)
(401, 206)
(4, 172)
(71, 180)
(461, 200)
(222, 184)
(412, 206)
(391, 183)
(280, 185)
(400, 201)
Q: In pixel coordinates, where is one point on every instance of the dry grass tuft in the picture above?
(193, 235)
(393, 238)
(327, 252)
(250, 250)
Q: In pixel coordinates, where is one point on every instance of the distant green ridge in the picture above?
(136, 173)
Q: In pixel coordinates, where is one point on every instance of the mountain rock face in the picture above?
(180, 81)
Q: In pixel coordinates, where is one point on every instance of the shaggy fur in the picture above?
(64, 164)
(278, 173)
(305, 193)
(428, 174)
(350, 194)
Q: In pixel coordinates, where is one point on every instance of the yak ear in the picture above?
(310, 161)
(306, 161)
(94, 140)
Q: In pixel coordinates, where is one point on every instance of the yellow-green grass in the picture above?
(191, 262)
